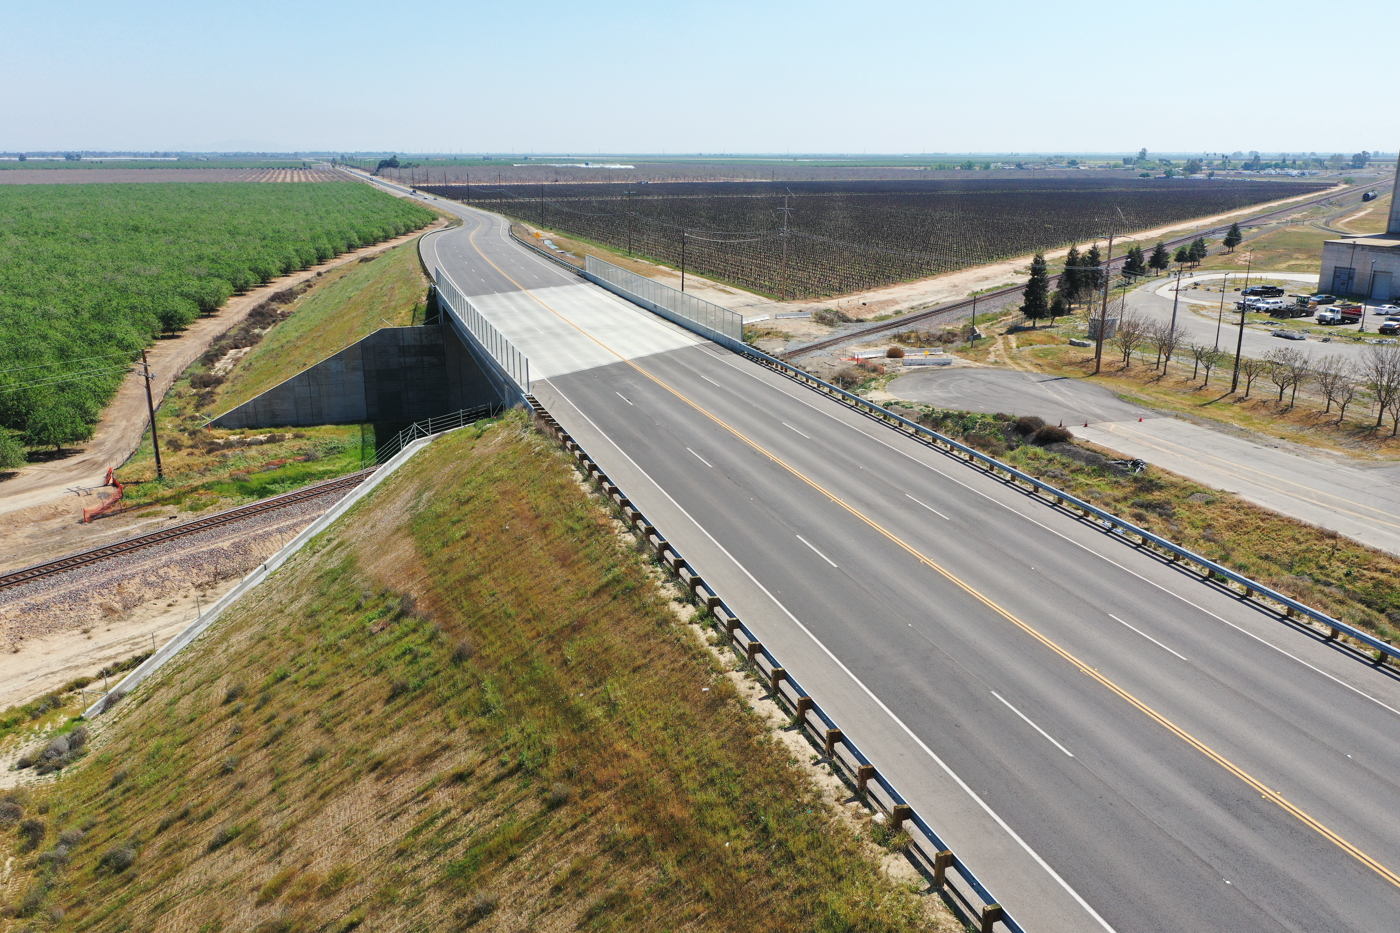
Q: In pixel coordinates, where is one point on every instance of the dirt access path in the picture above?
(951, 286)
(65, 484)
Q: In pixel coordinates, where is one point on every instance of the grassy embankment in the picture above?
(207, 468)
(467, 704)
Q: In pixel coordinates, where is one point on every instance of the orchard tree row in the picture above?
(92, 274)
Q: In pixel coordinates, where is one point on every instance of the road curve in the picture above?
(1107, 741)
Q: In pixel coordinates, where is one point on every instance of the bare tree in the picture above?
(1380, 371)
(1251, 369)
(1394, 409)
(1287, 368)
(1327, 374)
(1163, 337)
(1210, 359)
(1132, 332)
(1198, 353)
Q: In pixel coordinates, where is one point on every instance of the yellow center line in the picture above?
(1264, 791)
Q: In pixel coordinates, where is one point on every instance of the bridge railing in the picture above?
(697, 314)
(457, 419)
(510, 361)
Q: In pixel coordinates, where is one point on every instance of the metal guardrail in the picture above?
(697, 314)
(1112, 523)
(510, 228)
(511, 362)
(428, 428)
(786, 689)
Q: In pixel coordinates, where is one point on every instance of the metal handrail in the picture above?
(510, 361)
(428, 427)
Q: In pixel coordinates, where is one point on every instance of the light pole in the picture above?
(1239, 346)
(1220, 318)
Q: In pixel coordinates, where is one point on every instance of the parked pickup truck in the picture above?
(1263, 291)
(1340, 313)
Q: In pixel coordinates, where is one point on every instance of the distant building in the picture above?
(1367, 265)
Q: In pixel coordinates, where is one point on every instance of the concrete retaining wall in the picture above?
(395, 375)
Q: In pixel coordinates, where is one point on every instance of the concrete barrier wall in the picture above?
(396, 374)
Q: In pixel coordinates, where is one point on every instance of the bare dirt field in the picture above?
(95, 176)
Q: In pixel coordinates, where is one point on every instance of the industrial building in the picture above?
(1365, 266)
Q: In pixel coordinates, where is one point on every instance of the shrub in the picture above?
(463, 651)
(482, 906)
(31, 833)
(71, 837)
(559, 795)
(1027, 425)
(894, 353)
(234, 691)
(1051, 434)
(10, 813)
(848, 378)
(224, 835)
(118, 778)
(118, 859)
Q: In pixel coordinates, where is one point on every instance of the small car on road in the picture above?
(1389, 327)
(1263, 291)
(1321, 299)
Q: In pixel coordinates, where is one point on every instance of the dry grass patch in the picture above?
(567, 770)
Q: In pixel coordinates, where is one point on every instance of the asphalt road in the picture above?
(1353, 498)
(1107, 741)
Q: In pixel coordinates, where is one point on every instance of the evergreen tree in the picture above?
(1198, 250)
(1158, 261)
(1092, 276)
(1182, 256)
(1058, 306)
(1035, 304)
(1135, 265)
(1070, 279)
(1233, 238)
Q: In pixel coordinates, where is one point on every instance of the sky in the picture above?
(722, 76)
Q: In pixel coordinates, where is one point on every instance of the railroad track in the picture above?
(188, 528)
(903, 322)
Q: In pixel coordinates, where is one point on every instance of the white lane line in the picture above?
(930, 508)
(1147, 636)
(623, 397)
(923, 746)
(1104, 557)
(1033, 725)
(815, 551)
(791, 428)
(701, 459)
(710, 381)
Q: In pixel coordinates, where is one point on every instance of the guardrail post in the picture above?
(942, 861)
(900, 813)
(753, 648)
(803, 705)
(863, 775)
(832, 737)
(775, 677)
(990, 915)
(1332, 632)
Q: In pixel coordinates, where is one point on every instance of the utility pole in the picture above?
(629, 193)
(786, 210)
(1176, 296)
(151, 408)
(1239, 345)
(500, 195)
(1220, 318)
(682, 259)
(1103, 311)
(973, 337)
(541, 205)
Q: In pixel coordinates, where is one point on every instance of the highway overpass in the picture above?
(1109, 742)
